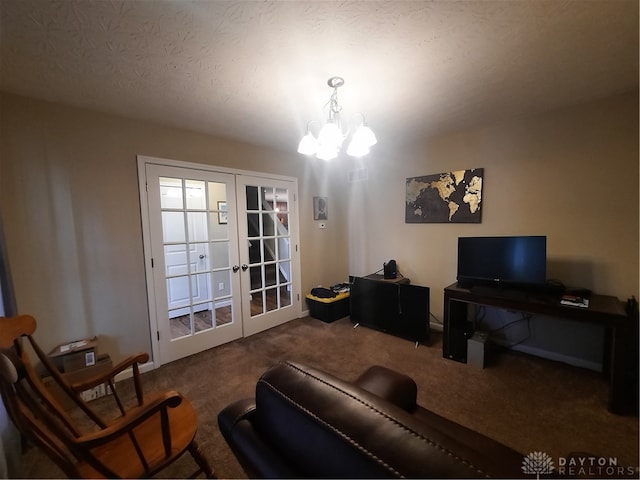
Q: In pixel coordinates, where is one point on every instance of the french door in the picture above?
(221, 253)
(195, 246)
(267, 227)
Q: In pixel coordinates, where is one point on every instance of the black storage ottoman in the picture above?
(329, 309)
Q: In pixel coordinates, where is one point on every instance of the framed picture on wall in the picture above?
(222, 214)
(448, 197)
(320, 208)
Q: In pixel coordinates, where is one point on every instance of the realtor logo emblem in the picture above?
(576, 466)
(537, 463)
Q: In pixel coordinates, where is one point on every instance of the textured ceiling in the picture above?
(257, 71)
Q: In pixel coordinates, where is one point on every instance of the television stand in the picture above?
(603, 310)
(542, 292)
(500, 291)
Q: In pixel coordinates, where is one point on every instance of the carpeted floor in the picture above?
(528, 403)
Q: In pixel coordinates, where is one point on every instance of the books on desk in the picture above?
(574, 301)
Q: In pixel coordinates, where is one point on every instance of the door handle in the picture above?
(244, 267)
(235, 268)
(201, 256)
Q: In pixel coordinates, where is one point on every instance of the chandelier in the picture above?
(331, 137)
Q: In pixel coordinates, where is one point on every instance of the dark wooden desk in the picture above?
(603, 310)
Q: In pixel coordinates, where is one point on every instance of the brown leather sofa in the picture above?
(306, 423)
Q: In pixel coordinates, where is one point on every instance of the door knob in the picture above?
(235, 268)
(201, 256)
(244, 267)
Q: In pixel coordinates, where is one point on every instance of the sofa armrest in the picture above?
(256, 458)
(394, 387)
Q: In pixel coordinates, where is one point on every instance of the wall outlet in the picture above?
(221, 286)
(96, 392)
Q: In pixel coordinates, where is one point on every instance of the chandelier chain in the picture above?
(334, 107)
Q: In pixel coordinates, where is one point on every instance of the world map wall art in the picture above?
(450, 197)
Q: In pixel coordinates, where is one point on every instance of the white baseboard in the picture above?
(559, 357)
(128, 373)
(436, 327)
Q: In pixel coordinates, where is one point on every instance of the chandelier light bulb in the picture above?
(365, 135)
(327, 153)
(308, 145)
(330, 136)
(357, 149)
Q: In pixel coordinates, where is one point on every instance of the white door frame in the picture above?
(142, 161)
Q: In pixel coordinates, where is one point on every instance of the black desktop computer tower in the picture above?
(456, 345)
(457, 331)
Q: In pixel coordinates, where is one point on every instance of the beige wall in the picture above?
(70, 206)
(571, 175)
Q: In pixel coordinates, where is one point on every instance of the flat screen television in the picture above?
(502, 261)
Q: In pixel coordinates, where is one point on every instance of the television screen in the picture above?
(502, 260)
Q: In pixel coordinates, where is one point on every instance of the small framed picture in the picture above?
(320, 208)
(222, 214)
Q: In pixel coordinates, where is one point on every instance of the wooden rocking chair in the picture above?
(142, 441)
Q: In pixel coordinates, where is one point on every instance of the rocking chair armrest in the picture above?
(99, 378)
(124, 425)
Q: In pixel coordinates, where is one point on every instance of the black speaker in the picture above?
(390, 269)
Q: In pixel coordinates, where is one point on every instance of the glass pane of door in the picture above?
(269, 251)
(196, 254)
